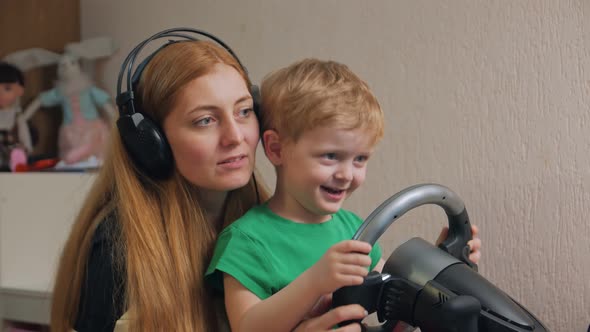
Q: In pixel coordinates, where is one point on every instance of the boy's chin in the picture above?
(329, 210)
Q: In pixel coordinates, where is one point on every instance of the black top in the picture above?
(102, 294)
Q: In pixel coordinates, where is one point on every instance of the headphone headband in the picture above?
(124, 97)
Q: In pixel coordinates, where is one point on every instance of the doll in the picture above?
(15, 139)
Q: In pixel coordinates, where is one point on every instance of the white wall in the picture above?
(489, 98)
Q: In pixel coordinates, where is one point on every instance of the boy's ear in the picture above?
(272, 146)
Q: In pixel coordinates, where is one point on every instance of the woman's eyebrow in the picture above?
(206, 107)
(243, 99)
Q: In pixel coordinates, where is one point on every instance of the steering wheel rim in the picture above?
(410, 198)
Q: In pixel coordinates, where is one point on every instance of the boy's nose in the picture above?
(344, 172)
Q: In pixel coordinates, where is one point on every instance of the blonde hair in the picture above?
(313, 93)
(165, 241)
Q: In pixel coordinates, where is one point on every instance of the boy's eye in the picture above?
(330, 155)
(361, 159)
(204, 121)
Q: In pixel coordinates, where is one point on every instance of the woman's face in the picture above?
(213, 131)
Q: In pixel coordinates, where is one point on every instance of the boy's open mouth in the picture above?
(331, 190)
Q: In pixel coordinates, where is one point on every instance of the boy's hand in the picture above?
(344, 264)
(327, 321)
(474, 243)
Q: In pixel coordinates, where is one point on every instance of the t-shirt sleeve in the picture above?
(242, 257)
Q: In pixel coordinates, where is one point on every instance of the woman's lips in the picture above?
(234, 162)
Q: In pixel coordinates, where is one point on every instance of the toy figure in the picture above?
(84, 128)
(15, 139)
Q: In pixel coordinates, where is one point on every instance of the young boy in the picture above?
(320, 124)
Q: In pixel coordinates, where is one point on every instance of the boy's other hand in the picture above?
(321, 319)
(344, 264)
(474, 243)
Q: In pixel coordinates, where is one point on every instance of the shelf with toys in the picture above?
(86, 110)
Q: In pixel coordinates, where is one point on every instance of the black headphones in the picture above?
(143, 138)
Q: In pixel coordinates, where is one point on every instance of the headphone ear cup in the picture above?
(255, 92)
(146, 145)
(256, 99)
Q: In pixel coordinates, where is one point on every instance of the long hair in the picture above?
(165, 242)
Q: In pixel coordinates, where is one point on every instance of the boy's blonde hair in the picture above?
(312, 93)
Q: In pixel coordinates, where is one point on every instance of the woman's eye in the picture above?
(203, 122)
(245, 112)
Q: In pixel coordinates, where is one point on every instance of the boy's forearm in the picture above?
(282, 311)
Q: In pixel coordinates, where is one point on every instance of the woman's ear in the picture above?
(272, 146)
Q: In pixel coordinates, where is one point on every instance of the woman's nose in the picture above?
(231, 133)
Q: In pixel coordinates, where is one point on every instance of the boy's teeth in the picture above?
(333, 191)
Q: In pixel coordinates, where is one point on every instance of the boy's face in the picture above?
(9, 93)
(319, 171)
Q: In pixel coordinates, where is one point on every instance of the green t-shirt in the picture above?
(266, 252)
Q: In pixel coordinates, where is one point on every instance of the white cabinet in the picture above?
(36, 213)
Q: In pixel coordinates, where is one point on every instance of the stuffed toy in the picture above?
(87, 110)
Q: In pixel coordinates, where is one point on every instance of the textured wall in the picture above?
(489, 98)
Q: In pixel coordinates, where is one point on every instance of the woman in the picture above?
(140, 245)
